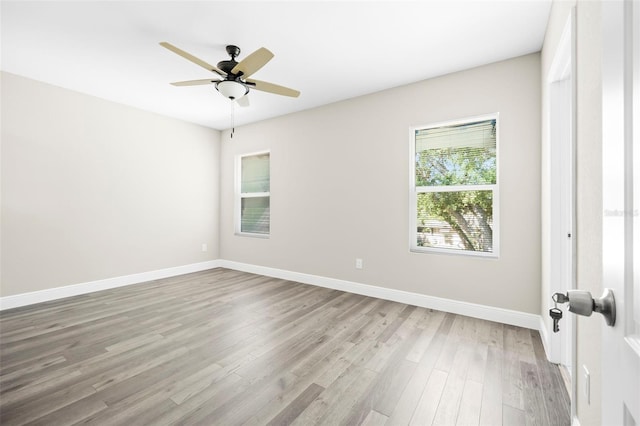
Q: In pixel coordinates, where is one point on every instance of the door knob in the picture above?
(582, 303)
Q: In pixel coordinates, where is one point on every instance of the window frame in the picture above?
(414, 191)
(239, 196)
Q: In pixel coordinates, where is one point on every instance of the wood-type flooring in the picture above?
(222, 347)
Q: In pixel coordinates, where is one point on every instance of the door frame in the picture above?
(561, 89)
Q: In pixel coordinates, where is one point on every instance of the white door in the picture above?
(621, 215)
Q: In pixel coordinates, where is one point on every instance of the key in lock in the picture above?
(556, 315)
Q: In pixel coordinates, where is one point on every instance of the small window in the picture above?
(454, 187)
(253, 194)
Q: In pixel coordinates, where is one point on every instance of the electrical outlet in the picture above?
(204, 246)
(587, 384)
(358, 263)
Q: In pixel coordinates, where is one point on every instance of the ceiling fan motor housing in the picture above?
(232, 86)
(227, 66)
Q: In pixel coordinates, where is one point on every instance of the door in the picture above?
(621, 203)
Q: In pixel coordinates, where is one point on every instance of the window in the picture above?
(454, 190)
(253, 194)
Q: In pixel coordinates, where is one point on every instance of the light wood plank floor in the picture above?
(228, 348)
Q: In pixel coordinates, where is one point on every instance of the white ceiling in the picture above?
(328, 50)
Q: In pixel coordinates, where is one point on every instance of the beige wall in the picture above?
(92, 189)
(339, 188)
(588, 186)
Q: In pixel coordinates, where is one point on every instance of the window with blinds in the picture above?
(454, 187)
(253, 194)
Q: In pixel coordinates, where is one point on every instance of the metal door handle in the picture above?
(582, 303)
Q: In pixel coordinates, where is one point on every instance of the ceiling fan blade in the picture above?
(192, 58)
(194, 82)
(272, 88)
(253, 62)
(243, 101)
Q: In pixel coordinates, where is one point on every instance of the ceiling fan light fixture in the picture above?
(231, 89)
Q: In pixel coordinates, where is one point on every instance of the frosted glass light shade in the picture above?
(231, 89)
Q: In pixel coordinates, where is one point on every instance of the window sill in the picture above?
(452, 252)
(250, 235)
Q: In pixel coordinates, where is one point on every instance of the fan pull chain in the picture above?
(233, 125)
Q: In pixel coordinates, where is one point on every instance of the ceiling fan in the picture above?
(234, 82)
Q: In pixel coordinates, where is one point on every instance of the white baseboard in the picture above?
(544, 336)
(505, 316)
(24, 299)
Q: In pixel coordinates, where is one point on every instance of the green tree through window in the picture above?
(455, 184)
